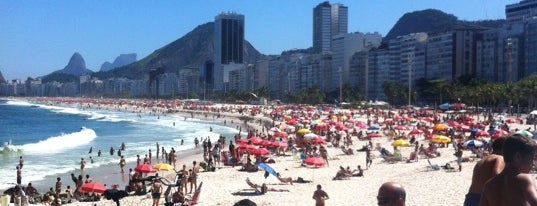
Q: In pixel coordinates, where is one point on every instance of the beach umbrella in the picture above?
(400, 127)
(315, 161)
(163, 167)
(93, 187)
(310, 136)
(275, 129)
(144, 168)
(241, 141)
(499, 133)
(303, 131)
(278, 144)
(260, 151)
(361, 125)
(415, 131)
(373, 135)
(482, 134)
(473, 143)
(441, 139)
(401, 143)
(524, 133)
(440, 127)
(266, 168)
(373, 128)
(291, 122)
(265, 143)
(255, 140)
(318, 140)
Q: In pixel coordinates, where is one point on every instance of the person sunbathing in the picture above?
(342, 174)
(284, 179)
(358, 172)
(347, 151)
(262, 189)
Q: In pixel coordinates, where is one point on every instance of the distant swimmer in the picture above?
(123, 146)
(91, 160)
(99, 153)
(210, 129)
(182, 141)
(111, 151)
(90, 150)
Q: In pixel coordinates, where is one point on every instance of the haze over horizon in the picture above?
(39, 37)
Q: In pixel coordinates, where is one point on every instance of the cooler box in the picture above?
(4, 201)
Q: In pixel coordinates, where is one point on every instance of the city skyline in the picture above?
(40, 37)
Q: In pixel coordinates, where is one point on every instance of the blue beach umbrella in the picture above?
(373, 128)
(267, 168)
(473, 143)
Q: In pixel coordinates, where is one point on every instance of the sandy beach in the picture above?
(227, 185)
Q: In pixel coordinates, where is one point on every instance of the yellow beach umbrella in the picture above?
(163, 167)
(441, 139)
(303, 131)
(401, 143)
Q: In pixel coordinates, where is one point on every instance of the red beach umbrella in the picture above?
(144, 168)
(400, 127)
(482, 133)
(260, 151)
(415, 132)
(373, 135)
(255, 140)
(318, 140)
(315, 161)
(93, 187)
(241, 141)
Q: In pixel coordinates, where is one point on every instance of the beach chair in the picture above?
(431, 166)
(195, 197)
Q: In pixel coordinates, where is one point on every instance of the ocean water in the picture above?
(52, 139)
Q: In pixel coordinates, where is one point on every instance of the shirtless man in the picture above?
(156, 190)
(391, 193)
(21, 162)
(193, 179)
(485, 169)
(320, 196)
(513, 186)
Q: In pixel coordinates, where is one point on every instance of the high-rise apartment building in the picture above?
(228, 44)
(329, 20)
(520, 12)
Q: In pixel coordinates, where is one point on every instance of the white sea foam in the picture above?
(60, 143)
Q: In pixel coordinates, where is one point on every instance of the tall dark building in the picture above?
(228, 44)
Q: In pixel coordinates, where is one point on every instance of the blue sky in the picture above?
(39, 36)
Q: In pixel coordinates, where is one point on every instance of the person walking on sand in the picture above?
(484, 170)
(58, 187)
(320, 196)
(391, 193)
(514, 185)
(458, 154)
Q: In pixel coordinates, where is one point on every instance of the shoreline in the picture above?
(424, 186)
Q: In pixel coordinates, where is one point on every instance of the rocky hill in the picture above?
(192, 50)
(121, 60)
(76, 66)
(432, 20)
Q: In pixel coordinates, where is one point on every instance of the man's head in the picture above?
(519, 150)
(497, 145)
(319, 187)
(391, 193)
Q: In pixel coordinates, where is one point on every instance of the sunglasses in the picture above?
(384, 200)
